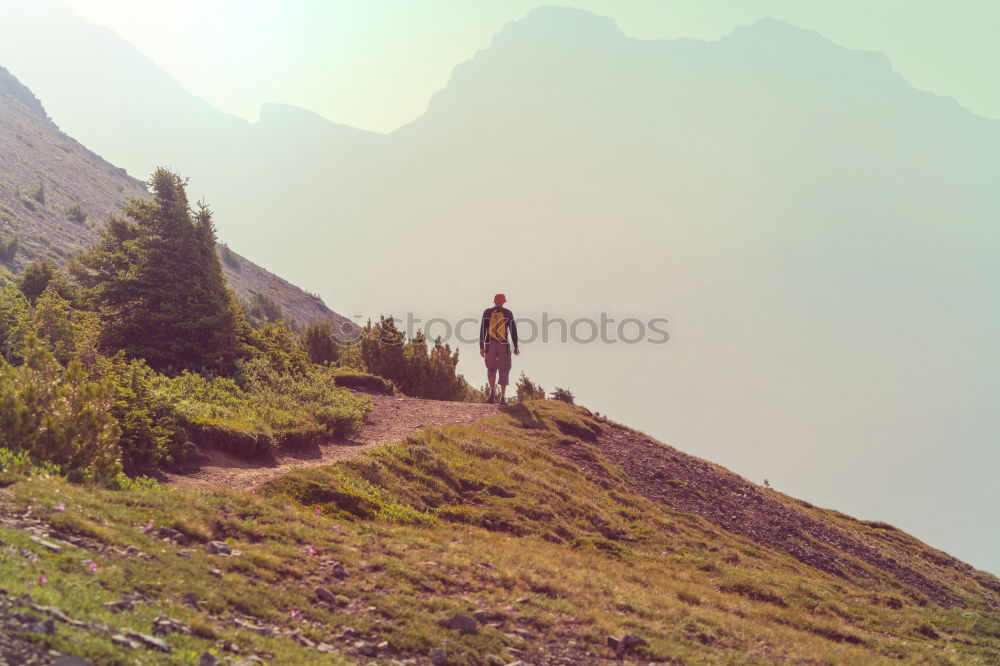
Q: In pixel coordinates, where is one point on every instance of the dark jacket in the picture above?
(498, 326)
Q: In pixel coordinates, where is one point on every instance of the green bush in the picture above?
(563, 394)
(151, 430)
(360, 381)
(9, 246)
(263, 409)
(413, 366)
(15, 321)
(58, 414)
(38, 193)
(76, 214)
(528, 390)
(279, 347)
(41, 274)
(319, 343)
(260, 310)
(68, 333)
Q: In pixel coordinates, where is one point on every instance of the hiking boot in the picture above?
(503, 401)
(491, 397)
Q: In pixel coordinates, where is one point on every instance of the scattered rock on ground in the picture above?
(48, 545)
(168, 625)
(150, 641)
(208, 659)
(177, 537)
(626, 643)
(218, 548)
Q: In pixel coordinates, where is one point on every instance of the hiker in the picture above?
(496, 334)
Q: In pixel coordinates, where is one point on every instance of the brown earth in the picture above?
(393, 418)
(851, 549)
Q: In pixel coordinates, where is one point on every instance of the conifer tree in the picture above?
(319, 343)
(158, 283)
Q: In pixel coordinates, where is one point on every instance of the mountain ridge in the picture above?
(55, 194)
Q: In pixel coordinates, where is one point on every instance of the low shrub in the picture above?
(76, 214)
(151, 429)
(564, 395)
(38, 193)
(9, 246)
(528, 390)
(364, 382)
(58, 414)
(263, 409)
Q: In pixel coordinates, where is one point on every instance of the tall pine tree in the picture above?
(158, 283)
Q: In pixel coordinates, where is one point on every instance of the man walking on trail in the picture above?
(497, 333)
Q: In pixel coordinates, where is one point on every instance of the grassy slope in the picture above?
(492, 518)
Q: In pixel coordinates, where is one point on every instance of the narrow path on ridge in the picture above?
(392, 418)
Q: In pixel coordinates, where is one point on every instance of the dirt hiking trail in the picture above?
(391, 419)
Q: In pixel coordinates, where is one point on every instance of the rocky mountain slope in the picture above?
(55, 194)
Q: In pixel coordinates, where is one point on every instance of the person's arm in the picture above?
(512, 328)
(483, 332)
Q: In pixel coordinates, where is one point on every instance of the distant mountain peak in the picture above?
(552, 22)
(11, 87)
(771, 37)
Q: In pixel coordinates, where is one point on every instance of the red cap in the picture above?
(499, 299)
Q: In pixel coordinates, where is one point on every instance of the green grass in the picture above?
(264, 414)
(490, 517)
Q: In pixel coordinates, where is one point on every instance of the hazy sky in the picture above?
(374, 64)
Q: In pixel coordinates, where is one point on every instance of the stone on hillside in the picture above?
(439, 656)
(168, 625)
(626, 643)
(365, 648)
(121, 639)
(177, 537)
(48, 545)
(326, 595)
(338, 570)
(150, 641)
(218, 548)
(208, 659)
(120, 606)
(66, 660)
